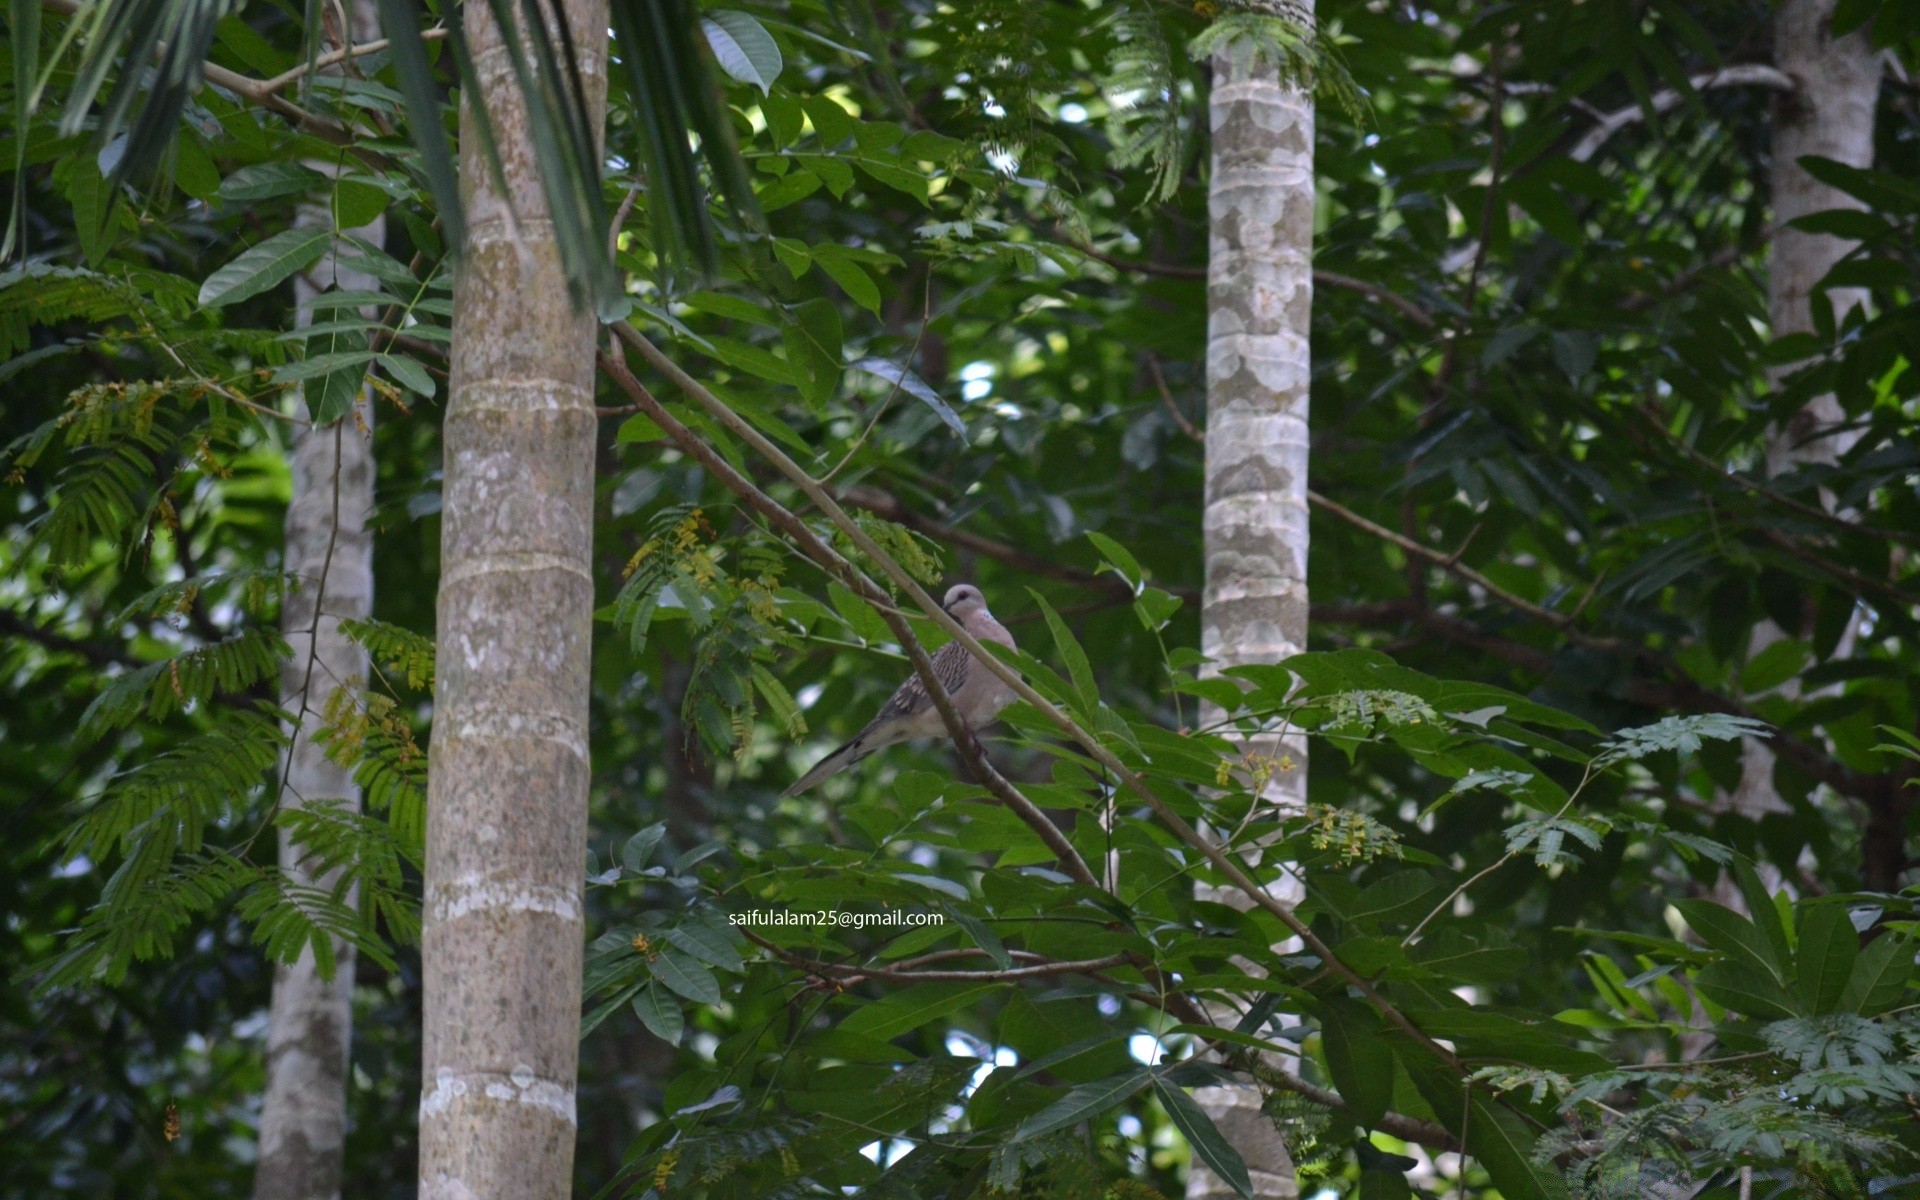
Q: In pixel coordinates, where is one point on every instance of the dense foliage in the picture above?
(1545, 531)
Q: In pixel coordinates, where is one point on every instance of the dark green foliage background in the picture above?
(1576, 409)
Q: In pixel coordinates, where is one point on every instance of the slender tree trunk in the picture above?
(1259, 305)
(1829, 113)
(507, 785)
(329, 550)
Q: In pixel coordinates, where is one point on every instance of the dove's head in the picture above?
(963, 601)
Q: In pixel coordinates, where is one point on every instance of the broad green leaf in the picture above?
(894, 176)
(264, 266)
(1118, 556)
(1766, 915)
(1358, 1059)
(913, 386)
(1087, 1100)
(1745, 989)
(708, 941)
(1733, 935)
(851, 276)
(1824, 965)
(913, 1007)
(409, 374)
(639, 848)
(264, 181)
(1072, 654)
(831, 123)
(743, 47)
(660, 1012)
(686, 975)
(1198, 1128)
(1880, 975)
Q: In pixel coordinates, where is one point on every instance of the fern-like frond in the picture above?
(1281, 35)
(1144, 124)
(140, 914)
(171, 685)
(255, 589)
(396, 649)
(187, 787)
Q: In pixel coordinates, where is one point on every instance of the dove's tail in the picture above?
(864, 743)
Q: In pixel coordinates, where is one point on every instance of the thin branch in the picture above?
(1373, 291)
(1094, 747)
(242, 85)
(99, 653)
(267, 87)
(1166, 399)
(886, 504)
(1667, 99)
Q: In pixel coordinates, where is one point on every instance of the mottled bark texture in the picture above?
(507, 785)
(329, 551)
(1829, 113)
(1259, 305)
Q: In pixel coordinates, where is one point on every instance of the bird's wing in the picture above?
(950, 665)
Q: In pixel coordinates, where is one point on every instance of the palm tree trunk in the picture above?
(507, 785)
(1829, 113)
(329, 550)
(1259, 305)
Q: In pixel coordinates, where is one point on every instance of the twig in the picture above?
(1373, 291)
(1166, 398)
(266, 87)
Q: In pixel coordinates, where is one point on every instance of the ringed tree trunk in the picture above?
(1829, 113)
(329, 551)
(507, 785)
(1254, 607)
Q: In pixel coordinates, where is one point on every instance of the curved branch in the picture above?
(1667, 99)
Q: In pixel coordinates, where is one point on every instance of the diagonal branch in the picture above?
(1667, 99)
(1181, 828)
(836, 565)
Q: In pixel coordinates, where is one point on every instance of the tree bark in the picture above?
(1259, 306)
(329, 551)
(507, 786)
(1830, 113)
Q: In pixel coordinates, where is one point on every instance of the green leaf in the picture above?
(851, 276)
(639, 848)
(743, 47)
(264, 181)
(707, 940)
(1733, 935)
(1828, 948)
(1198, 1128)
(660, 1013)
(1766, 915)
(1775, 665)
(983, 936)
(899, 178)
(686, 975)
(797, 185)
(1118, 557)
(1879, 975)
(913, 1007)
(1743, 989)
(1087, 1100)
(1358, 1059)
(913, 386)
(1076, 658)
(813, 347)
(264, 266)
(409, 374)
(784, 117)
(831, 123)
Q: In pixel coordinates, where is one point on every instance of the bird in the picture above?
(978, 694)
